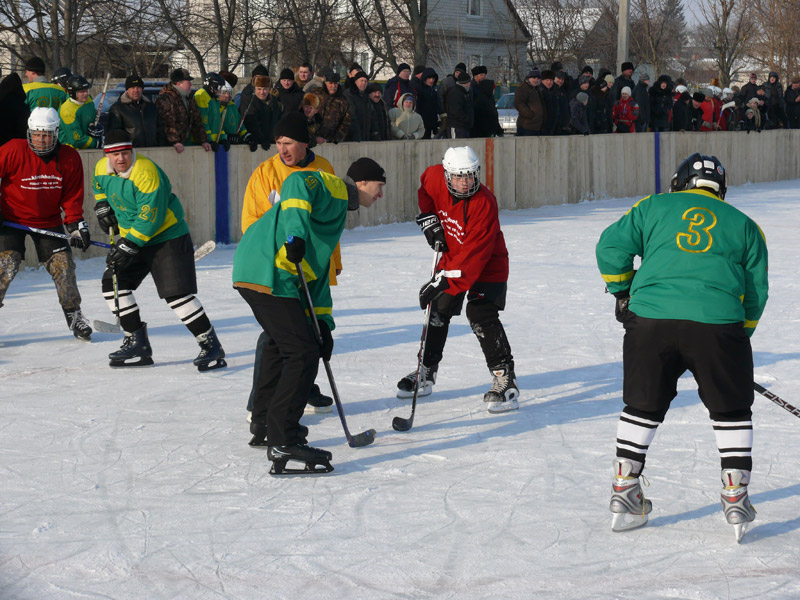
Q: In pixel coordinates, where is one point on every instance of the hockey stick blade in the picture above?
(205, 250)
(362, 439)
(401, 424)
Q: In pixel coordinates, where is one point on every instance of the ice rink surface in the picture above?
(139, 483)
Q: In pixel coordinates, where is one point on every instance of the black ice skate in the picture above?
(628, 504)
(736, 501)
(503, 395)
(78, 324)
(316, 461)
(318, 402)
(405, 387)
(211, 356)
(135, 350)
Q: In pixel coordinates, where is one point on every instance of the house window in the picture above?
(474, 8)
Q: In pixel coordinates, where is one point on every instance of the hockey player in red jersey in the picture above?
(40, 180)
(459, 214)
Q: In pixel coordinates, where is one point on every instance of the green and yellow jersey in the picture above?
(75, 121)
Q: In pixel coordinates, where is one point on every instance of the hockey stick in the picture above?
(54, 234)
(102, 97)
(113, 328)
(776, 399)
(244, 114)
(354, 441)
(399, 423)
(105, 327)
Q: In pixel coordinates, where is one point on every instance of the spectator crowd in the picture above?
(412, 105)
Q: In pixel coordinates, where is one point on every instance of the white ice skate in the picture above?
(628, 504)
(405, 387)
(736, 501)
(502, 397)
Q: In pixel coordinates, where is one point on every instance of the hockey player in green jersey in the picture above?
(693, 305)
(77, 117)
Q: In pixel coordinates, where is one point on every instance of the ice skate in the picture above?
(502, 397)
(259, 431)
(318, 402)
(405, 387)
(736, 501)
(630, 507)
(135, 350)
(78, 324)
(315, 461)
(211, 356)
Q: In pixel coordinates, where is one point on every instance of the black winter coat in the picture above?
(460, 110)
(262, 118)
(552, 120)
(681, 115)
(600, 106)
(140, 119)
(427, 100)
(290, 99)
(792, 107)
(381, 129)
(14, 109)
(642, 98)
(487, 122)
(360, 116)
(660, 104)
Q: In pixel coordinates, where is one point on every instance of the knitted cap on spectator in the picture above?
(366, 169)
(360, 75)
(354, 67)
(403, 67)
(480, 69)
(373, 87)
(133, 81)
(582, 97)
(584, 79)
(753, 75)
(698, 96)
(626, 90)
(463, 77)
(534, 72)
(460, 67)
(293, 126)
(179, 75)
(626, 66)
(286, 74)
(260, 70)
(587, 69)
(231, 78)
(609, 79)
(34, 64)
(548, 74)
(418, 69)
(644, 77)
(116, 140)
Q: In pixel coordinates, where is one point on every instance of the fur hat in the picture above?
(179, 75)
(626, 66)
(231, 78)
(286, 73)
(330, 76)
(35, 64)
(460, 67)
(293, 126)
(698, 97)
(478, 70)
(366, 169)
(548, 74)
(417, 70)
(261, 81)
(311, 100)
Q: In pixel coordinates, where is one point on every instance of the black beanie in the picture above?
(403, 67)
(293, 126)
(35, 64)
(366, 169)
(698, 97)
(133, 81)
(460, 67)
(463, 77)
(286, 74)
(260, 70)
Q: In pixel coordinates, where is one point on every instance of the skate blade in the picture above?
(104, 327)
(627, 521)
(249, 416)
(312, 410)
(140, 362)
(425, 390)
(501, 407)
(81, 338)
(214, 364)
(311, 468)
(739, 529)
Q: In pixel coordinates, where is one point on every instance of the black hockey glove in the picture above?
(621, 312)
(121, 255)
(234, 138)
(214, 146)
(96, 131)
(225, 144)
(250, 141)
(106, 217)
(79, 235)
(432, 228)
(433, 289)
(326, 350)
(266, 146)
(295, 249)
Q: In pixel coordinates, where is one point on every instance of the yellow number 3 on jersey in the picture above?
(698, 238)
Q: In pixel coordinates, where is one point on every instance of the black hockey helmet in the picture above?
(60, 76)
(213, 83)
(700, 171)
(77, 83)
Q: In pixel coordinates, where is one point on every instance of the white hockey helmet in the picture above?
(681, 88)
(44, 119)
(462, 161)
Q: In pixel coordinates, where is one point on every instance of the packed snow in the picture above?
(139, 483)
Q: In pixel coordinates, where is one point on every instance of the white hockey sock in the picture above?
(634, 436)
(734, 439)
(127, 302)
(188, 309)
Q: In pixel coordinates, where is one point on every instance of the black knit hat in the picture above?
(556, 66)
(133, 81)
(463, 77)
(293, 126)
(354, 67)
(478, 70)
(116, 140)
(548, 74)
(460, 67)
(287, 73)
(366, 169)
(626, 66)
(360, 75)
(403, 67)
(373, 87)
(179, 75)
(418, 69)
(35, 64)
(587, 69)
(331, 75)
(260, 70)
(698, 97)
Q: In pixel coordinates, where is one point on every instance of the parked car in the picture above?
(151, 90)
(507, 114)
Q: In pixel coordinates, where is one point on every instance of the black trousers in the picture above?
(288, 366)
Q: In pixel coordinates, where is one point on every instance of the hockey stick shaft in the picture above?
(102, 97)
(221, 123)
(399, 423)
(244, 114)
(776, 399)
(114, 279)
(361, 439)
(53, 234)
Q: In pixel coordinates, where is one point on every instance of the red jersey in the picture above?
(33, 191)
(476, 246)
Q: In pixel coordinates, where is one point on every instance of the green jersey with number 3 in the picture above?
(702, 260)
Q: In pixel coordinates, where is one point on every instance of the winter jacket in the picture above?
(487, 121)
(140, 119)
(552, 117)
(460, 109)
(334, 110)
(579, 118)
(262, 118)
(708, 120)
(360, 115)
(34, 191)
(600, 108)
(681, 113)
(146, 209)
(729, 117)
(15, 111)
(427, 100)
(406, 124)
(562, 93)
(476, 246)
(446, 85)
(395, 88)
(625, 113)
(290, 99)
(212, 115)
(642, 99)
(180, 117)
(381, 126)
(792, 107)
(661, 104)
(530, 105)
(777, 103)
(749, 90)
(687, 273)
(75, 120)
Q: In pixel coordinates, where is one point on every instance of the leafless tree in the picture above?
(727, 29)
(558, 28)
(657, 31)
(394, 28)
(775, 44)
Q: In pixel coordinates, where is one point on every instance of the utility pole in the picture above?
(622, 33)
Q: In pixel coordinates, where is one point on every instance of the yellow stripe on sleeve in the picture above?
(295, 203)
(618, 278)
